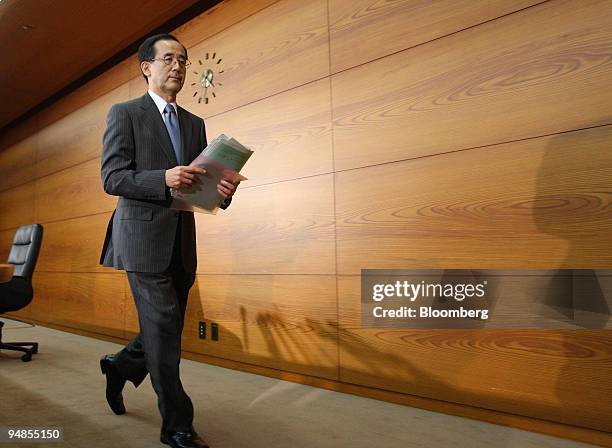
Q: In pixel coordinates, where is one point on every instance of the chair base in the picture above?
(19, 347)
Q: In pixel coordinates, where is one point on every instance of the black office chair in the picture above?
(17, 293)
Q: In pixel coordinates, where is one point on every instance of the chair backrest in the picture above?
(24, 253)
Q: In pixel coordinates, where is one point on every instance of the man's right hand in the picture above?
(182, 176)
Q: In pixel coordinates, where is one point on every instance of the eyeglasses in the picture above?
(169, 60)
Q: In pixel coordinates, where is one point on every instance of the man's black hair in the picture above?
(146, 51)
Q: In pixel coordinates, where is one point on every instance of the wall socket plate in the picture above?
(214, 329)
(202, 330)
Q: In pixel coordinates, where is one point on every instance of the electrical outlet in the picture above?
(214, 329)
(202, 330)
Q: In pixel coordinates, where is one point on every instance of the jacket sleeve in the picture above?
(119, 176)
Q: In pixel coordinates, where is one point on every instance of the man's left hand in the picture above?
(227, 189)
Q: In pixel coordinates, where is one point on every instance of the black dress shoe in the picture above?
(179, 439)
(114, 384)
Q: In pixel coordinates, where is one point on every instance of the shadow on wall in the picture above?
(564, 213)
(574, 214)
(561, 212)
(275, 335)
(376, 366)
(571, 206)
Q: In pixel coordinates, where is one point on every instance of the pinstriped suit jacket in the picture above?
(137, 151)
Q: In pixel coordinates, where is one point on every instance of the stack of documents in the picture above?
(223, 158)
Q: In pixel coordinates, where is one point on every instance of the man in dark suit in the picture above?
(147, 146)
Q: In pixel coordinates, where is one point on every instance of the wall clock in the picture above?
(208, 71)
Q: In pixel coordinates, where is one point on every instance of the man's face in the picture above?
(165, 79)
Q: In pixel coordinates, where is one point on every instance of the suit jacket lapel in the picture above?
(153, 120)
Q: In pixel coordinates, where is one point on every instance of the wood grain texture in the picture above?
(77, 137)
(554, 375)
(108, 81)
(267, 320)
(17, 163)
(539, 71)
(282, 228)
(93, 302)
(70, 39)
(137, 87)
(216, 19)
(6, 241)
(379, 28)
(281, 47)
(263, 320)
(17, 206)
(73, 245)
(290, 133)
(16, 132)
(73, 30)
(205, 25)
(73, 192)
(40, 306)
(501, 418)
(6, 272)
(541, 203)
(132, 327)
(19, 314)
(267, 265)
(570, 432)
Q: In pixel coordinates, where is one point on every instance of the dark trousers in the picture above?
(161, 301)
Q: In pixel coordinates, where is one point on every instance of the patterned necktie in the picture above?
(173, 129)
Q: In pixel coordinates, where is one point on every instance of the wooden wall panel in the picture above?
(92, 302)
(378, 29)
(67, 43)
(205, 25)
(99, 86)
(44, 294)
(540, 203)
(23, 313)
(138, 87)
(73, 192)
(17, 163)
(216, 19)
(17, 206)
(74, 245)
(132, 327)
(6, 241)
(290, 133)
(268, 265)
(283, 228)
(266, 320)
(531, 73)
(17, 132)
(77, 137)
(553, 375)
(281, 47)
